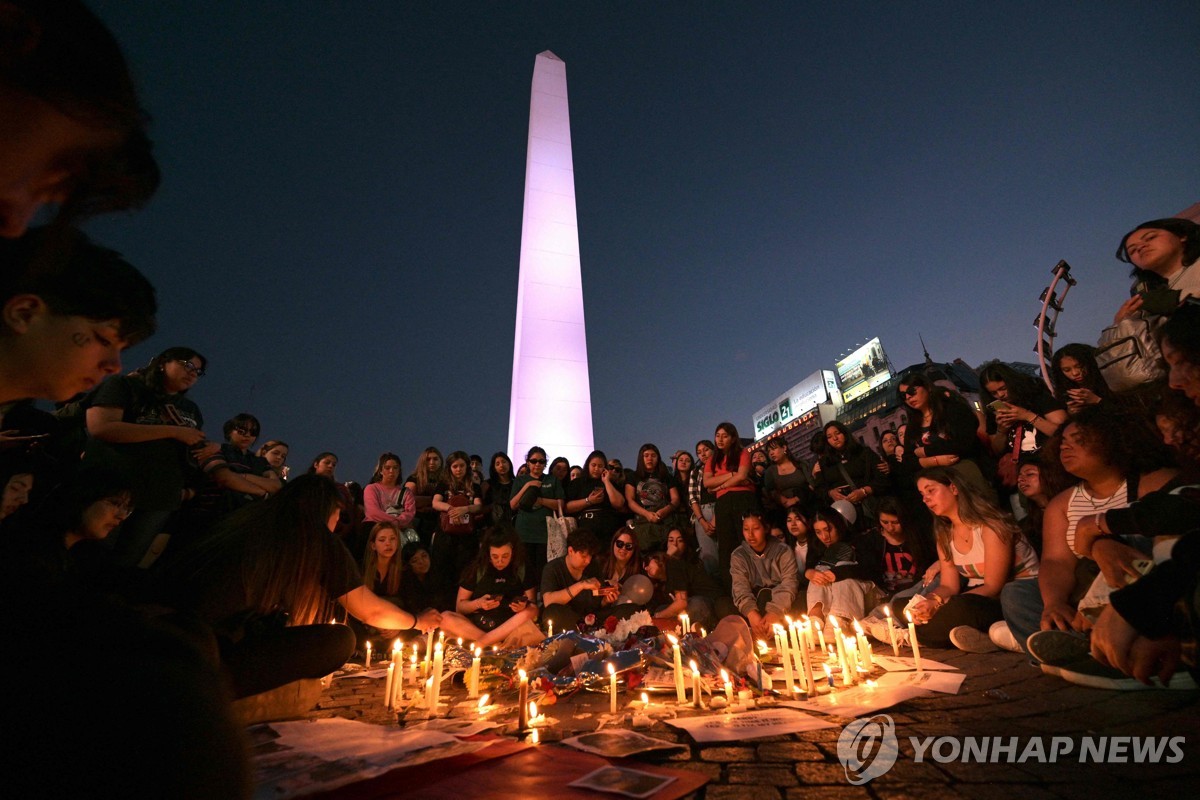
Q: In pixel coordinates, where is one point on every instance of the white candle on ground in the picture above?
(679, 691)
(887, 613)
(437, 676)
(387, 690)
(864, 647)
(912, 640)
(781, 644)
(695, 684)
(473, 678)
(612, 689)
(728, 686)
(522, 701)
(367, 659)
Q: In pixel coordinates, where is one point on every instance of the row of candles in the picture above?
(429, 672)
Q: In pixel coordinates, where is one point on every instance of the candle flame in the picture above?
(858, 629)
(693, 665)
(724, 676)
(674, 641)
(612, 670)
(887, 611)
(645, 699)
(836, 625)
(535, 738)
(521, 673)
(483, 701)
(460, 641)
(827, 672)
(396, 646)
(908, 616)
(532, 710)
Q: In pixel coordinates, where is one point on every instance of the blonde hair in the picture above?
(973, 509)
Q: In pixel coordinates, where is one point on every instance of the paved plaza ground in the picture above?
(1002, 696)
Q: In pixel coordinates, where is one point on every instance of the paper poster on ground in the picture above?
(751, 725)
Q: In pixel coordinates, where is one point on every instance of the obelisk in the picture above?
(551, 395)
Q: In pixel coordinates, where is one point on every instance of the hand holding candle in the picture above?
(912, 640)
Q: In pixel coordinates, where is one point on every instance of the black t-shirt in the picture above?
(556, 577)
(506, 583)
(416, 595)
(159, 469)
(599, 517)
(899, 567)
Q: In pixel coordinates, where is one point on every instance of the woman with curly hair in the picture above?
(1076, 377)
(1117, 459)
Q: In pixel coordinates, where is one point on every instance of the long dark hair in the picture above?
(733, 458)
(493, 476)
(391, 578)
(632, 567)
(850, 449)
(282, 547)
(1085, 354)
(660, 469)
(497, 537)
(1022, 389)
(939, 398)
(1185, 229)
(152, 373)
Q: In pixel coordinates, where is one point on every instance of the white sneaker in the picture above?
(971, 640)
(1002, 637)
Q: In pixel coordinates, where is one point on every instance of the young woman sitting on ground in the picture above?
(980, 550)
(838, 586)
(496, 595)
(268, 580)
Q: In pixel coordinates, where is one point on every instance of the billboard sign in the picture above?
(863, 370)
(796, 402)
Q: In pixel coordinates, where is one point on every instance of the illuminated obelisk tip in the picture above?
(551, 395)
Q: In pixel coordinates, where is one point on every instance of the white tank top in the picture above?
(1082, 504)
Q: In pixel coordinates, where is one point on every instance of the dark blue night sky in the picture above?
(761, 186)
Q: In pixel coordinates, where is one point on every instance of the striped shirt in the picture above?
(1083, 504)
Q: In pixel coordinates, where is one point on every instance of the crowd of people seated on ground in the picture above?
(191, 570)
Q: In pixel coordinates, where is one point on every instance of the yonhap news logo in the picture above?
(869, 748)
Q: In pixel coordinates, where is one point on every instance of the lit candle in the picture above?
(820, 635)
(795, 641)
(612, 689)
(398, 664)
(413, 663)
(679, 693)
(533, 714)
(685, 625)
(387, 690)
(523, 701)
(703, 633)
(437, 676)
(695, 684)
(645, 701)
(887, 612)
(550, 629)
(483, 704)
(367, 660)
(864, 647)
(912, 640)
(762, 648)
(428, 653)
(828, 676)
(781, 643)
(429, 693)
(460, 641)
(728, 686)
(473, 678)
(806, 657)
(840, 641)
(848, 659)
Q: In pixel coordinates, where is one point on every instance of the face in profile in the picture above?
(16, 493)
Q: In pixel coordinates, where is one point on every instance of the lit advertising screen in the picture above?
(863, 370)
(797, 401)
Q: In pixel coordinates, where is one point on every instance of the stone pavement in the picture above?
(1002, 696)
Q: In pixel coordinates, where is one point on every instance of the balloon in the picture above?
(636, 589)
(847, 510)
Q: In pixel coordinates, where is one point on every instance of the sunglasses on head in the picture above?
(620, 545)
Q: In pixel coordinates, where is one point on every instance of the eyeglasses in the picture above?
(620, 545)
(123, 507)
(253, 434)
(537, 461)
(193, 369)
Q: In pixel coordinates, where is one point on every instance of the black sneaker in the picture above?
(1057, 648)
(1090, 672)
